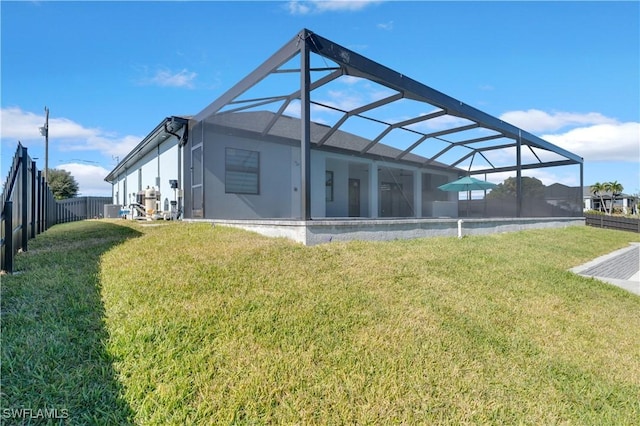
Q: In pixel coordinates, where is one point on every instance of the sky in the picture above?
(110, 72)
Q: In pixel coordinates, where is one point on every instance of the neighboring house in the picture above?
(624, 202)
(319, 132)
(567, 198)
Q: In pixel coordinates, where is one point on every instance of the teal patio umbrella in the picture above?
(467, 183)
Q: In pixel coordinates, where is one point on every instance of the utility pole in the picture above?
(44, 131)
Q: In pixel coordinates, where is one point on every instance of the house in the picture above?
(247, 172)
(563, 197)
(321, 143)
(156, 162)
(624, 202)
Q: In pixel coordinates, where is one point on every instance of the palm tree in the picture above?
(597, 189)
(616, 189)
(606, 186)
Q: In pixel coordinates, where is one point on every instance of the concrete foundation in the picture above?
(321, 231)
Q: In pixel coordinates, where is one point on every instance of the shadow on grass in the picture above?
(55, 367)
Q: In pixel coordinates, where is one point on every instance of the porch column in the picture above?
(373, 190)
(305, 139)
(417, 193)
(519, 175)
(581, 194)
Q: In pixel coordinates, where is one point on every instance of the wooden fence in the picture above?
(29, 208)
(613, 222)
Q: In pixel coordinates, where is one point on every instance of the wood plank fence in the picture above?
(613, 222)
(29, 208)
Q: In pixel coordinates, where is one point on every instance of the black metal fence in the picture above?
(80, 208)
(613, 222)
(29, 207)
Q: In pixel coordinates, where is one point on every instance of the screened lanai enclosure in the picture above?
(320, 132)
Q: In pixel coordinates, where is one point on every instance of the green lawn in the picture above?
(193, 324)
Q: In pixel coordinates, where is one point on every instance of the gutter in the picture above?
(167, 127)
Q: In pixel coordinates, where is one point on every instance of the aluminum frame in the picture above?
(350, 63)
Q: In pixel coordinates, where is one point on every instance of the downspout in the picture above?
(181, 140)
(166, 129)
(181, 145)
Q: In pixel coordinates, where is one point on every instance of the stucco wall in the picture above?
(276, 189)
(158, 167)
(280, 189)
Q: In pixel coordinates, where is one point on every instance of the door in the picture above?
(393, 202)
(354, 197)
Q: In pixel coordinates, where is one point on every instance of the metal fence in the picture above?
(613, 222)
(29, 207)
(80, 208)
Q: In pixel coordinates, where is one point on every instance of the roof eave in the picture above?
(147, 142)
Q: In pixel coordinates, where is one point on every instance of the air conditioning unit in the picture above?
(112, 211)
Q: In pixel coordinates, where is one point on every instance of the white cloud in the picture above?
(298, 8)
(90, 178)
(536, 121)
(65, 133)
(25, 125)
(439, 123)
(353, 92)
(352, 80)
(345, 99)
(167, 78)
(387, 26)
(591, 135)
(602, 142)
(304, 7)
(107, 145)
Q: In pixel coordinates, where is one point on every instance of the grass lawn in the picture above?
(192, 324)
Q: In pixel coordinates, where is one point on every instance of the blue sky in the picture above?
(111, 71)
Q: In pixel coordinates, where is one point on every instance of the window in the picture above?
(329, 185)
(242, 171)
